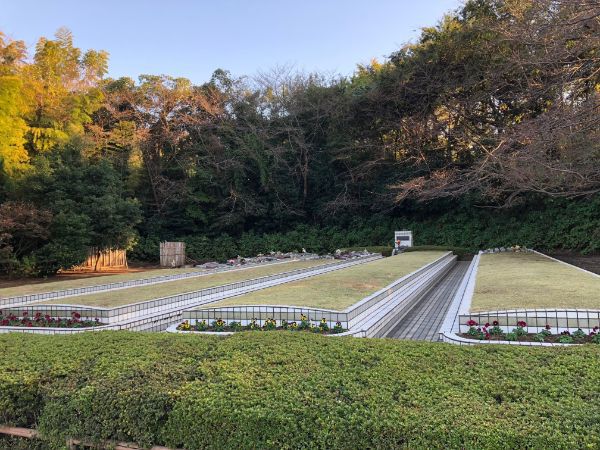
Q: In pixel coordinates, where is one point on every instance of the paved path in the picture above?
(423, 322)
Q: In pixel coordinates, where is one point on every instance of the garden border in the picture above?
(535, 319)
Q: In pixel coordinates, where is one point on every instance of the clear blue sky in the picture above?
(192, 38)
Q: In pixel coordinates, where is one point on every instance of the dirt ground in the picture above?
(587, 262)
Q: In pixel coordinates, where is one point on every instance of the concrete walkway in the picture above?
(423, 322)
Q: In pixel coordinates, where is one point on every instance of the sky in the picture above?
(193, 38)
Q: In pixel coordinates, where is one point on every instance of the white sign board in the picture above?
(403, 238)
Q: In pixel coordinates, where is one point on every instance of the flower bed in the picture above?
(494, 332)
(39, 320)
(304, 324)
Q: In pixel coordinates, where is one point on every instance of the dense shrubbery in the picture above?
(274, 390)
(552, 225)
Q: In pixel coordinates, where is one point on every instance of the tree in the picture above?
(23, 229)
(62, 85)
(13, 107)
(161, 113)
(531, 122)
(88, 204)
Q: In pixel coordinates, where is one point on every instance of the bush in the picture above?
(280, 390)
(464, 229)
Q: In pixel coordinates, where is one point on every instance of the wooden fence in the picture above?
(172, 254)
(104, 259)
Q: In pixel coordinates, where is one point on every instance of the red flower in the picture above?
(471, 323)
(548, 327)
(75, 315)
(487, 324)
(521, 323)
(25, 313)
(495, 323)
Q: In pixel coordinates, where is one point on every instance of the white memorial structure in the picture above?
(403, 238)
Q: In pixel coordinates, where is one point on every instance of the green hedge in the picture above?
(276, 390)
(548, 225)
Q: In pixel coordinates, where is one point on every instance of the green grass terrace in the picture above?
(126, 296)
(86, 280)
(526, 280)
(340, 289)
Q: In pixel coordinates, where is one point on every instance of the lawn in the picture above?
(48, 286)
(137, 294)
(340, 289)
(526, 280)
(284, 390)
(93, 280)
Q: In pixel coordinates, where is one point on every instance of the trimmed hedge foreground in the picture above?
(270, 390)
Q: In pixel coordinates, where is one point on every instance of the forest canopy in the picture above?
(475, 134)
